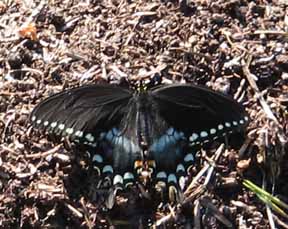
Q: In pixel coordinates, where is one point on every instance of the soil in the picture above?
(238, 47)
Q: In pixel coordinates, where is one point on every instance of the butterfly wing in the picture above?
(83, 110)
(93, 115)
(196, 109)
(193, 114)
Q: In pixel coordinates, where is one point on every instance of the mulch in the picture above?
(238, 47)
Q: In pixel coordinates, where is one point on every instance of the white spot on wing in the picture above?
(203, 134)
(128, 176)
(172, 178)
(189, 157)
(46, 123)
(220, 127)
(79, 134)
(61, 126)
(193, 137)
(69, 130)
(118, 179)
(161, 175)
(227, 124)
(90, 137)
(213, 131)
(180, 168)
(53, 124)
(98, 158)
(107, 169)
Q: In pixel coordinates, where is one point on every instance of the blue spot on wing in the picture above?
(171, 138)
(119, 150)
(168, 150)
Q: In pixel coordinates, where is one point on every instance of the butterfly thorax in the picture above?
(143, 121)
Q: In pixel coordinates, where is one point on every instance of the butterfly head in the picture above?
(140, 86)
(144, 84)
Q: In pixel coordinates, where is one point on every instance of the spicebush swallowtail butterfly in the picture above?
(141, 135)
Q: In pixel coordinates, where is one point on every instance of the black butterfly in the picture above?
(141, 135)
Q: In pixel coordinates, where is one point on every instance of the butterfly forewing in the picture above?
(82, 112)
(200, 113)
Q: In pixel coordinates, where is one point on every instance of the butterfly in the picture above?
(143, 135)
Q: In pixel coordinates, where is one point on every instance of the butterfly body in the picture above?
(144, 135)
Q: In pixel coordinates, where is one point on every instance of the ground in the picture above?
(238, 47)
